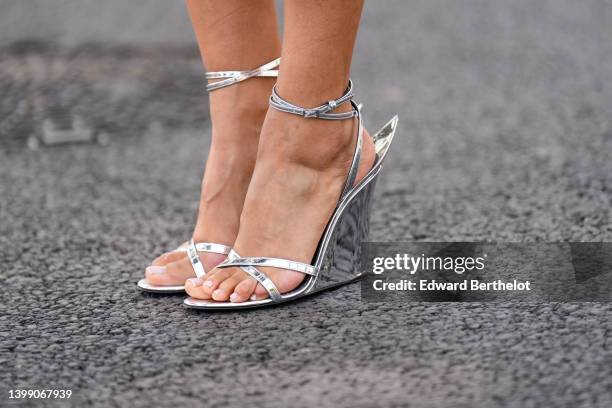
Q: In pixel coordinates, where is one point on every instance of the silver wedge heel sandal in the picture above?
(226, 78)
(336, 261)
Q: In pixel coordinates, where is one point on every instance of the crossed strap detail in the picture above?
(269, 69)
(250, 264)
(320, 112)
(192, 252)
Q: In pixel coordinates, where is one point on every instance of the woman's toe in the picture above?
(157, 275)
(173, 273)
(194, 288)
(244, 290)
(168, 257)
(259, 293)
(200, 288)
(213, 279)
(226, 288)
(180, 270)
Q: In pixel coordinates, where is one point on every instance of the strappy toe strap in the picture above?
(269, 69)
(249, 265)
(258, 275)
(324, 112)
(272, 263)
(194, 256)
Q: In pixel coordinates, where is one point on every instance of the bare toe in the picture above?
(260, 292)
(173, 273)
(194, 288)
(168, 257)
(213, 279)
(226, 288)
(244, 290)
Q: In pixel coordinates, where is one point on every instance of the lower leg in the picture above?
(302, 164)
(317, 49)
(232, 35)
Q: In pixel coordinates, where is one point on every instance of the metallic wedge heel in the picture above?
(336, 261)
(226, 78)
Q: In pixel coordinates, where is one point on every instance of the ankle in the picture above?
(314, 143)
(247, 98)
(237, 116)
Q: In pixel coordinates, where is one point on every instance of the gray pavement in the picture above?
(505, 134)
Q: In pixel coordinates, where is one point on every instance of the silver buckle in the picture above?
(311, 113)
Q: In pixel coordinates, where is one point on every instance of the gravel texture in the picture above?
(505, 134)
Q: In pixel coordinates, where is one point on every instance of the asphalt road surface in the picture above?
(505, 134)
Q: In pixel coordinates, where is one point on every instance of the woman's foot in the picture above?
(237, 115)
(302, 165)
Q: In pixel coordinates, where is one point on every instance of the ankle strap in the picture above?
(320, 112)
(269, 69)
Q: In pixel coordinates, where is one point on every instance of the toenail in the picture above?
(234, 297)
(253, 297)
(156, 270)
(209, 284)
(195, 281)
(218, 292)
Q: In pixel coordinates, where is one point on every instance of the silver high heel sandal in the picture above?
(227, 78)
(336, 261)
